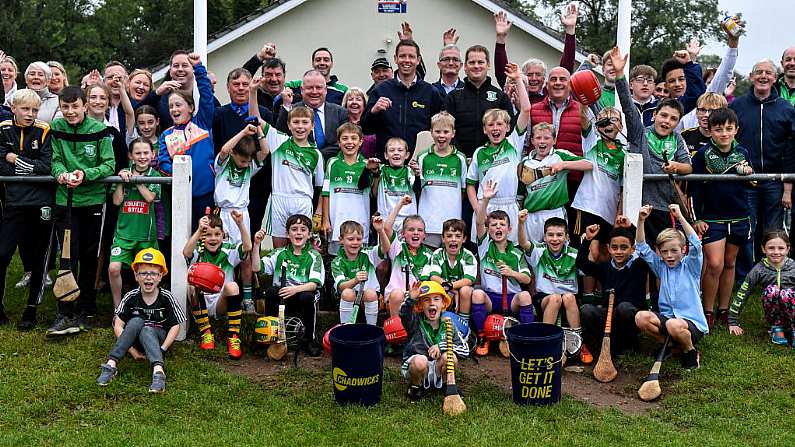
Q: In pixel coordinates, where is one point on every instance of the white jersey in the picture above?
(403, 262)
(346, 200)
(296, 169)
(443, 179)
(498, 164)
(490, 257)
(232, 183)
(393, 184)
(600, 189)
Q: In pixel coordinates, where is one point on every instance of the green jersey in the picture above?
(344, 269)
(137, 220)
(465, 266)
(600, 189)
(549, 192)
(491, 257)
(443, 179)
(498, 163)
(346, 200)
(393, 184)
(554, 274)
(296, 170)
(608, 98)
(299, 269)
(403, 261)
(228, 256)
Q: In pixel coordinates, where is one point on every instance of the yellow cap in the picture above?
(150, 256)
(430, 288)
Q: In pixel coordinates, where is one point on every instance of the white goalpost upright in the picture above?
(181, 195)
(200, 28)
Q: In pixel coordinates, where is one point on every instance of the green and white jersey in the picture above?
(600, 189)
(402, 260)
(232, 183)
(344, 269)
(228, 256)
(549, 192)
(499, 164)
(443, 179)
(346, 200)
(464, 267)
(137, 221)
(554, 274)
(299, 269)
(296, 170)
(490, 256)
(393, 184)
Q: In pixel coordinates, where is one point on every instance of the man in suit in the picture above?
(328, 116)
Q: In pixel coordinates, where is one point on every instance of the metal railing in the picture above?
(722, 177)
(109, 179)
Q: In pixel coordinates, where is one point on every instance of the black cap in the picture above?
(380, 62)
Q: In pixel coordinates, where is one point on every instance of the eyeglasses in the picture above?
(148, 274)
(764, 72)
(643, 80)
(449, 59)
(704, 111)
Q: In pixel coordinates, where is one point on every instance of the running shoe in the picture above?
(233, 345)
(207, 340)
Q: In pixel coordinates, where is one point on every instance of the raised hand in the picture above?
(693, 48)
(619, 62)
(490, 189)
(523, 216)
(512, 72)
(194, 59)
(237, 216)
(268, 51)
(569, 18)
(405, 200)
(675, 210)
(287, 97)
(644, 213)
(501, 25)
(373, 163)
(450, 37)
(591, 231)
(378, 222)
(259, 236)
(415, 167)
(405, 33)
(623, 221)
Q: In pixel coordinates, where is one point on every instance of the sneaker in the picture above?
(84, 322)
(248, 307)
(233, 345)
(483, 347)
(777, 336)
(47, 281)
(63, 325)
(414, 393)
(28, 320)
(24, 281)
(691, 360)
(4, 318)
(313, 349)
(106, 374)
(710, 319)
(207, 340)
(158, 383)
(585, 355)
(723, 316)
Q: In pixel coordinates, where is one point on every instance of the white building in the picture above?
(357, 33)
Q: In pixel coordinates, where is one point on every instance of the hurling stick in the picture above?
(453, 404)
(604, 371)
(357, 303)
(650, 389)
(65, 287)
(279, 350)
(503, 345)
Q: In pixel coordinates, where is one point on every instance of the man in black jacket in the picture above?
(27, 218)
(470, 103)
(273, 75)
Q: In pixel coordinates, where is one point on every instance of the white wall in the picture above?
(354, 32)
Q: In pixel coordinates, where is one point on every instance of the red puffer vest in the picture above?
(569, 134)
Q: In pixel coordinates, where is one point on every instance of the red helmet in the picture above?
(327, 339)
(492, 328)
(394, 331)
(586, 87)
(207, 277)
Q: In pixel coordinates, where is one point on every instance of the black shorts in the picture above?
(736, 232)
(583, 220)
(695, 334)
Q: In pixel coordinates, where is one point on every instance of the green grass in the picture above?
(744, 394)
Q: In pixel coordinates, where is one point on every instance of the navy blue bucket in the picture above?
(536, 352)
(357, 363)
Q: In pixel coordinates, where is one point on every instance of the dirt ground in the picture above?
(619, 394)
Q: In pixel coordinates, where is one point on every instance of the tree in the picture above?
(659, 27)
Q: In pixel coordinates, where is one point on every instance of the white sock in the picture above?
(346, 309)
(371, 312)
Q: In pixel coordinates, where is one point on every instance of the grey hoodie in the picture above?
(762, 275)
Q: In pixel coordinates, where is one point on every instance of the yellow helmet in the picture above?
(150, 256)
(429, 288)
(266, 330)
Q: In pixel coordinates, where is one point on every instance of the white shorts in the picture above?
(507, 204)
(230, 227)
(431, 379)
(211, 300)
(534, 225)
(280, 207)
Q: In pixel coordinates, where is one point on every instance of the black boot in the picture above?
(28, 320)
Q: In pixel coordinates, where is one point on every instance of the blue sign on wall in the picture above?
(392, 6)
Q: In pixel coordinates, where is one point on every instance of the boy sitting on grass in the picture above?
(303, 277)
(425, 354)
(147, 320)
(454, 266)
(680, 315)
(354, 267)
(226, 256)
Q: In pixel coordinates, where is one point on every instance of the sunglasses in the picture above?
(604, 122)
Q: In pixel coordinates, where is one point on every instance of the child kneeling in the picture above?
(425, 355)
(147, 320)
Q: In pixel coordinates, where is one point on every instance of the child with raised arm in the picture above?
(680, 313)
(354, 267)
(776, 274)
(238, 161)
(498, 159)
(227, 256)
(395, 180)
(500, 260)
(304, 276)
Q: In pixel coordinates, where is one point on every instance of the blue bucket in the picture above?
(357, 363)
(536, 354)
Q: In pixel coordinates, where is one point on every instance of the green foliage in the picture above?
(659, 27)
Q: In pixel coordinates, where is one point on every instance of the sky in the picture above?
(770, 29)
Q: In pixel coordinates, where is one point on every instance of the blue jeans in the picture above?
(764, 200)
(137, 334)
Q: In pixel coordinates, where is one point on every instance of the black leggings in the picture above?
(302, 305)
(86, 224)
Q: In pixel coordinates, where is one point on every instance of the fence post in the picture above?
(632, 193)
(181, 198)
